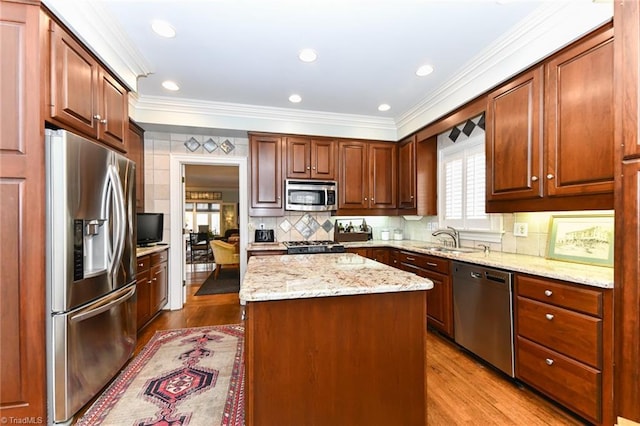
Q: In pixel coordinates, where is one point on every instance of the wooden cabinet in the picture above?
(136, 153)
(440, 297)
(309, 158)
(83, 96)
(563, 344)
(379, 254)
(407, 175)
(152, 285)
(367, 178)
(22, 217)
(265, 159)
(550, 132)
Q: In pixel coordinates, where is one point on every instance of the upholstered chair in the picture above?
(225, 254)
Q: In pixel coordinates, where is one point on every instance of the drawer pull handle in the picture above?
(432, 264)
(548, 293)
(411, 259)
(549, 361)
(549, 316)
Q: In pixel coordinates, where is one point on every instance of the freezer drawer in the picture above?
(90, 345)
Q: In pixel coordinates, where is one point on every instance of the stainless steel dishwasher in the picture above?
(482, 313)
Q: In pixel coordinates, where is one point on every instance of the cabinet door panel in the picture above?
(113, 122)
(514, 139)
(323, 159)
(353, 181)
(579, 119)
(298, 152)
(407, 174)
(158, 295)
(383, 175)
(73, 83)
(266, 173)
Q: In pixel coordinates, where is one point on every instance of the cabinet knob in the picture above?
(534, 178)
(103, 121)
(550, 176)
(149, 282)
(97, 117)
(549, 316)
(365, 198)
(549, 361)
(314, 167)
(308, 168)
(548, 293)
(411, 197)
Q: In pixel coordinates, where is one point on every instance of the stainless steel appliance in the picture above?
(264, 236)
(90, 256)
(311, 247)
(482, 313)
(311, 195)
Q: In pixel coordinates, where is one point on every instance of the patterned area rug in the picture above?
(189, 376)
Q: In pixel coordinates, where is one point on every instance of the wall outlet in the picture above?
(520, 229)
(262, 226)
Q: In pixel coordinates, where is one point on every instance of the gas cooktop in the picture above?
(317, 246)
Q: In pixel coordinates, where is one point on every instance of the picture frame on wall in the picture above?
(584, 239)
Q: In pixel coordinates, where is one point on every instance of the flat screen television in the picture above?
(149, 228)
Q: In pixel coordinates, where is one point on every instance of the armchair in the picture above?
(225, 254)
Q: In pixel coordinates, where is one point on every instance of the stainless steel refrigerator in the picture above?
(91, 330)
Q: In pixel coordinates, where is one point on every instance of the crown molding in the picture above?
(551, 27)
(93, 24)
(221, 115)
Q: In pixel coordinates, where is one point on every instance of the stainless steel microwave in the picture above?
(311, 195)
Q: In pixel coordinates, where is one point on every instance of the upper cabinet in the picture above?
(367, 178)
(82, 95)
(550, 133)
(309, 158)
(407, 174)
(136, 153)
(265, 159)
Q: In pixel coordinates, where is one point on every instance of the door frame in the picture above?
(177, 275)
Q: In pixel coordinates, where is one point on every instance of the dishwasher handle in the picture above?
(496, 278)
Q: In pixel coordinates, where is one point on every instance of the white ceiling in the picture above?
(236, 60)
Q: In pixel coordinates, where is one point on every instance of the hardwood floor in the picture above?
(461, 390)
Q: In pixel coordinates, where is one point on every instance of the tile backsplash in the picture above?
(295, 226)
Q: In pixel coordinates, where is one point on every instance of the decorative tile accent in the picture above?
(468, 127)
(210, 145)
(307, 226)
(327, 225)
(192, 144)
(227, 146)
(285, 225)
(455, 132)
(481, 121)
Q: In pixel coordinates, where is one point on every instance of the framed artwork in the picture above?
(581, 239)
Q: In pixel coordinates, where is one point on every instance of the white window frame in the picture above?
(487, 228)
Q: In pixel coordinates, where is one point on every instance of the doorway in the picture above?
(210, 206)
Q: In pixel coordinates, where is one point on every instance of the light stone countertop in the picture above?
(595, 276)
(143, 251)
(320, 275)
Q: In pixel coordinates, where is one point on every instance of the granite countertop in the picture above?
(143, 251)
(320, 275)
(595, 276)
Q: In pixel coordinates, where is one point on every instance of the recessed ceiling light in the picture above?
(307, 55)
(163, 29)
(170, 85)
(424, 70)
(295, 99)
(384, 107)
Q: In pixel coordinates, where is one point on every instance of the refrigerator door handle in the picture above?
(92, 312)
(119, 219)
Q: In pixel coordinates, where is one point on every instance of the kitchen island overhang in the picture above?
(334, 339)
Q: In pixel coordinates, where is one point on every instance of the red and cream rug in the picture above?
(189, 376)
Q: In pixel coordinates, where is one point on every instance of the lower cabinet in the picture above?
(440, 297)
(379, 254)
(152, 285)
(564, 344)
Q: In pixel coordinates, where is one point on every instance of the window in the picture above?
(462, 184)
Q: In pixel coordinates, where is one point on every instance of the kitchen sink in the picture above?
(451, 250)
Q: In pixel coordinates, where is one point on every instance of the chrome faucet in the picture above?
(452, 232)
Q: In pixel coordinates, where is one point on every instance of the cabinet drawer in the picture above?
(142, 263)
(560, 294)
(570, 382)
(432, 263)
(571, 333)
(159, 257)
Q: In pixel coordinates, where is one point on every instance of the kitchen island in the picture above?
(333, 339)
